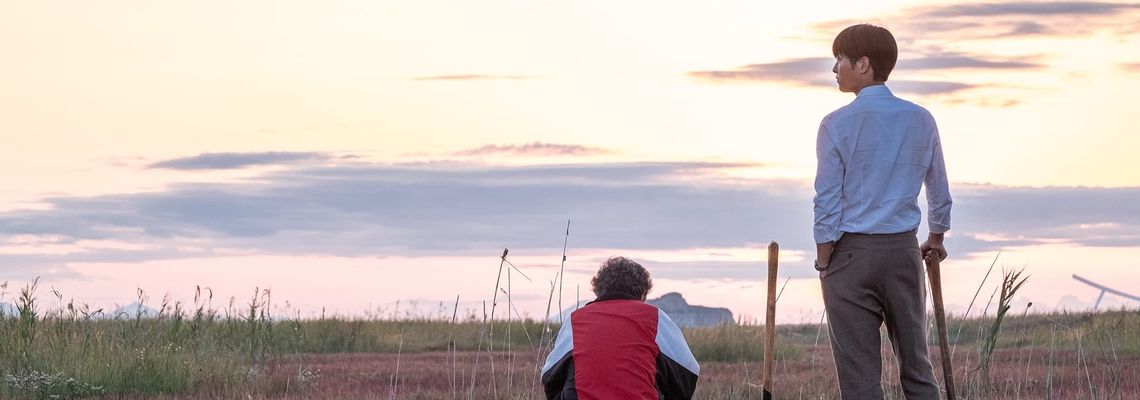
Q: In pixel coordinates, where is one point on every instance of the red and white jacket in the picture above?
(619, 350)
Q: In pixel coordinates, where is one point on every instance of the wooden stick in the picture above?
(770, 319)
(935, 275)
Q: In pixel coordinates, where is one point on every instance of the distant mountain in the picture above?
(8, 310)
(679, 310)
(133, 310)
(688, 316)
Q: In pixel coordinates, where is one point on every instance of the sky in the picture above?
(376, 157)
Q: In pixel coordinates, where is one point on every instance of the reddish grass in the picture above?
(1017, 374)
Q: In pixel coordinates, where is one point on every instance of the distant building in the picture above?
(689, 316)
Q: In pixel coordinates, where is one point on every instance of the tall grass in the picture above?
(1011, 283)
(735, 343)
(74, 352)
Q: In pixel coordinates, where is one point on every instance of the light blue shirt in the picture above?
(874, 155)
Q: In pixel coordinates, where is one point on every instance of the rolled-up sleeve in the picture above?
(938, 189)
(828, 187)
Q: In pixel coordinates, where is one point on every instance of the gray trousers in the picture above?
(872, 280)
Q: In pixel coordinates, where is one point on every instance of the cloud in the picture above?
(28, 268)
(1029, 28)
(952, 60)
(237, 160)
(1065, 9)
(956, 23)
(811, 71)
(816, 72)
(928, 88)
(946, 33)
(1083, 216)
(470, 77)
(1131, 67)
(374, 210)
(433, 208)
(534, 149)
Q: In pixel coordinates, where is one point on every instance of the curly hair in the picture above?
(620, 277)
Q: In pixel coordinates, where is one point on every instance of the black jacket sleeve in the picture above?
(674, 382)
(558, 381)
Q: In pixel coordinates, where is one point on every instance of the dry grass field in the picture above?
(1017, 374)
(198, 351)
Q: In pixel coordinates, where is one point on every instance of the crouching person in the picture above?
(618, 346)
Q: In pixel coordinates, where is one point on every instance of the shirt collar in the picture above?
(875, 90)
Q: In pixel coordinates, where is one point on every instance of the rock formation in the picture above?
(688, 316)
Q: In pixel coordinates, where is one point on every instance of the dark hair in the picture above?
(620, 277)
(866, 40)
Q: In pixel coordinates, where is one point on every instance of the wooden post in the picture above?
(770, 319)
(935, 275)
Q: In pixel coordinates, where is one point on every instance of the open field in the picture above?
(430, 376)
(198, 352)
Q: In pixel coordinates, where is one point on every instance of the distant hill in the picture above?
(133, 310)
(689, 316)
(679, 310)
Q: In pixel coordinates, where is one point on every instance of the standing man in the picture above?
(874, 155)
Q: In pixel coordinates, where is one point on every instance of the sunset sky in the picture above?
(350, 155)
